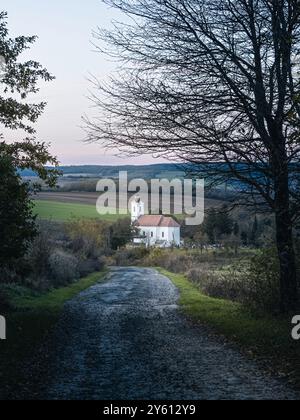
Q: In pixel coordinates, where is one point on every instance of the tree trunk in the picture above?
(285, 245)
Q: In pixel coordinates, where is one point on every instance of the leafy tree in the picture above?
(17, 81)
(214, 83)
(17, 222)
(34, 155)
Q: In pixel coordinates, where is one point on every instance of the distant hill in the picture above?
(168, 170)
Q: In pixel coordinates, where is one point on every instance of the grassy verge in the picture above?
(33, 316)
(267, 338)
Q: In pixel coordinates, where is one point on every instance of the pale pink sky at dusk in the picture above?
(64, 46)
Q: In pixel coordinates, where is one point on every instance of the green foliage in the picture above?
(34, 155)
(121, 233)
(131, 256)
(89, 237)
(263, 282)
(253, 282)
(19, 79)
(63, 267)
(218, 223)
(17, 222)
(60, 254)
(226, 283)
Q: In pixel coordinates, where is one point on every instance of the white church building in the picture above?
(154, 230)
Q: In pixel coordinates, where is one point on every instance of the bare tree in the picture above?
(215, 82)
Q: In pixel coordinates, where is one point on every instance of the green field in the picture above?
(56, 211)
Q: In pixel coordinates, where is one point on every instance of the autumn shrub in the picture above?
(131, 256)
(262, 283)
(39, 253)
(170, 259)
(91, 265)
(88, 238)
(254, 282)
(63, 267)
(223, 284)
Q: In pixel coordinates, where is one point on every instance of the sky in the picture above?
(64, 46)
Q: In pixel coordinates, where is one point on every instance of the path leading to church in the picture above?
(126, 339)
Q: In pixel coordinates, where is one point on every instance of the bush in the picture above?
(63, 267)
(88, 237)
(39, 254)
(262, 284)
(168, 259)
(129, 256)
(221, 284)
(87, 267)
(254, 284)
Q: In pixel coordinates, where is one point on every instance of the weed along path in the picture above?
(126, 339)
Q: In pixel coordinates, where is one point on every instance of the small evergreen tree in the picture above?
(210, 225)
(224, 222)
(254, 232)
(236, 229)
(244, 238)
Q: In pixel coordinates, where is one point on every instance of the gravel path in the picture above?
(125, 339)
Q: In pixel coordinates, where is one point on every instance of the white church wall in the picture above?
(171, 236)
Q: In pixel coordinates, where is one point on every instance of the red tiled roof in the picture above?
(156, 221)
(169, 222)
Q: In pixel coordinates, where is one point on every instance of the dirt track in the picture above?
(126, 339)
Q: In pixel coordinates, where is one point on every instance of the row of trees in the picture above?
(223, 228)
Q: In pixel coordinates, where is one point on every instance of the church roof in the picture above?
(156, 221)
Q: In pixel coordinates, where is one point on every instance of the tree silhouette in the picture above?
(214, 82)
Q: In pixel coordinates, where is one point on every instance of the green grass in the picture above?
(32, 318)
(267, 338)
(65, 211)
